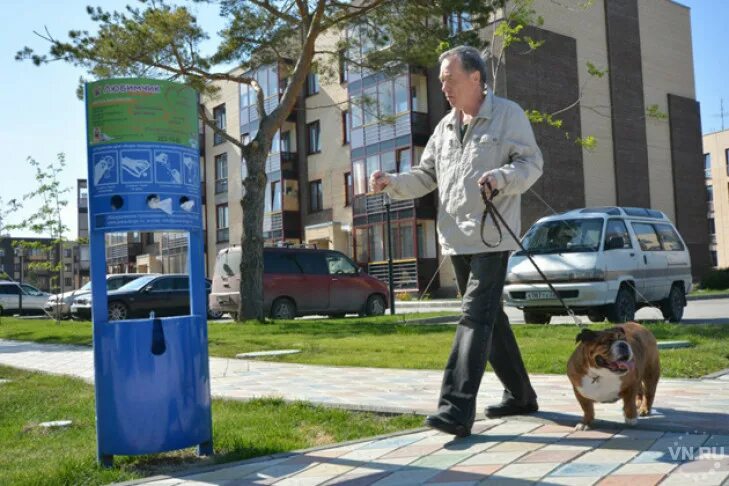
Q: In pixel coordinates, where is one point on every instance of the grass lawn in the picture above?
(700, 292)
(31, 455)
(385, 342)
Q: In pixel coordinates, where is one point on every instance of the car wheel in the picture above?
(375, 306)
(339, 315)
(595, 315)
(672, 308)
(214, 314)
(117, 311)
(623, 310)
(536, 317)
(283, 308)
(234, 315)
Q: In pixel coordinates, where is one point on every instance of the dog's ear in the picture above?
(585, 336)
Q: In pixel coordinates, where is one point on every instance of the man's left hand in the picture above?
(491, 186)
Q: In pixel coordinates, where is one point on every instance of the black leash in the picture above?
(490, 210)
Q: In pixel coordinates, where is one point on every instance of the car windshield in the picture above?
(564, 235)
(137, 283)
(86, 286)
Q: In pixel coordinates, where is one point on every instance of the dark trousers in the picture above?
(483, 334)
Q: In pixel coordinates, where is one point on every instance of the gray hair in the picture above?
(471, 60)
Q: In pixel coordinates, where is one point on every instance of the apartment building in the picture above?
(642, 113)
(716, 173)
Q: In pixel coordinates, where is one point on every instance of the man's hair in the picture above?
(471, 60)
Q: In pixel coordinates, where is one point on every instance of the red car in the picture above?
(301, 281)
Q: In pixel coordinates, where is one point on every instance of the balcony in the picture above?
(404, 273)
(375, 203)
(173, 241)
(123, 253)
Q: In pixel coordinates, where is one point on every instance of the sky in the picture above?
(43, 117)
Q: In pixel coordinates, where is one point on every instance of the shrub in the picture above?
(716, 279)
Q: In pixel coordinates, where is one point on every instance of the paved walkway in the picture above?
(689, 414)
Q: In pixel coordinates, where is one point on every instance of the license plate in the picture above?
(540, 295)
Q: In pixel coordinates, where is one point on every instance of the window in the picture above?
(220, 122)
(68, 282)
(669, 238)
(385, 102)
(221, 219)
(9, 289)
(369, 105)
(343, 77)
(360, 177)
(404, 163)
(707, 166)
(714, 258)
(709, 193)
(712, 226)
(276, 196)
(316, 201)
(401, 94)
(361, 239)
(346, 128)
(312, 84)
(387, 162)
(348, 189)
(221, 173)
(67, 267)
(726, 158)
(357, 115)
(373, 164)
(313, 138)
(67, 252)
(339, 264)
(647, 237)
(312, 262)
(616, 227)
(286, 141)
(280, 262)
(458, 22)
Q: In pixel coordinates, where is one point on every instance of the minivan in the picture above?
(606, 262)
(300, 281)
(33, 299)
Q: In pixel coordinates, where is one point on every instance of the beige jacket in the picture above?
(500, 141)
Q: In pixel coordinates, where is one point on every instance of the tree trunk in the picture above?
(251, 263)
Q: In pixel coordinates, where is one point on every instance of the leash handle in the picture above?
(491, 210)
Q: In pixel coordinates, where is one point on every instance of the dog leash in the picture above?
(490, 210)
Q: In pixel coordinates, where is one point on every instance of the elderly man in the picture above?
(487, 143)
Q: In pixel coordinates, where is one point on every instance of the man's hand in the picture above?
(487, 183)
(379, 180)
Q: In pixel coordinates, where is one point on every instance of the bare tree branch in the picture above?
(359, 11)
(266, 5)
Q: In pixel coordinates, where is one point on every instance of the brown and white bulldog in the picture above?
(620, 362)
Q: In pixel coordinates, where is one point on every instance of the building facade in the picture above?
(642, 114)
(716, 173)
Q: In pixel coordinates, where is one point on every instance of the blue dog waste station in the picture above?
(152, 376)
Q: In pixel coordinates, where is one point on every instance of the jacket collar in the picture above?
(486, 111)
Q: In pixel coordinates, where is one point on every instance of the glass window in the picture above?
(312, 84)
(346, 128)
(407, 246)
(616, 227)
(338, 264)
(373, 164)
(707, 166)
(669, 239)
(342, 66)
(286, 141)
(714, 258)
(180, 283)
(709, 193)
(280, 262)
(401, 94)
(564, 235)
(348, 189)
(360, 177)
(712, 226)
(276, 196)
(377, 240)
(272, 82)
(9, 289)
(221, 173)
(356, 107)
(387, 161)
(222, 216)
(369, 105)
(220, 122)
(726, 157)
(163, 284)
(361, 237)
(647, 237)
(404, 164)
(312, 262)
(316, 200)
(313, 138)
(385, 101)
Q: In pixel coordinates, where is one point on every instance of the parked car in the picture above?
(61, 303)
(166, 295)
(300, 281)
(10, 293)
(604, 262)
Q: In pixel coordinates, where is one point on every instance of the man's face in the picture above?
(460, 88)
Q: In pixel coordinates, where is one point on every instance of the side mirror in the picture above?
(614, 242)
(147, 289)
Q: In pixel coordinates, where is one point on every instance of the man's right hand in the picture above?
(379, 180)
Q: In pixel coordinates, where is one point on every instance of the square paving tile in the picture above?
(632, 480)
(549, 456)
(586, 469)
(485, 458)
(523, 471)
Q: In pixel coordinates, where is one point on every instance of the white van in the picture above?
(604, 262)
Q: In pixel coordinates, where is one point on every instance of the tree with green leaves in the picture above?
(160, 40)
(47, 219)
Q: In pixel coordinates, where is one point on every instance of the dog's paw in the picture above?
(644, 412)
(631, 421)
(580, 427)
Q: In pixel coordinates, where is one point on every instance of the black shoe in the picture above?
(435, 422)
(509, 408)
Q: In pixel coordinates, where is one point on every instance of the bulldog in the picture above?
(617, 363)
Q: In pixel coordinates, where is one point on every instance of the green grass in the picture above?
(31, 455)
(385, 342)
(697, 292)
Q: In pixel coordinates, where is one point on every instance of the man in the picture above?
(485, 143)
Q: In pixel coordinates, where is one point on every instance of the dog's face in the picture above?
(607, 349)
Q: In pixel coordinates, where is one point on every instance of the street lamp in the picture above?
(389, 254)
